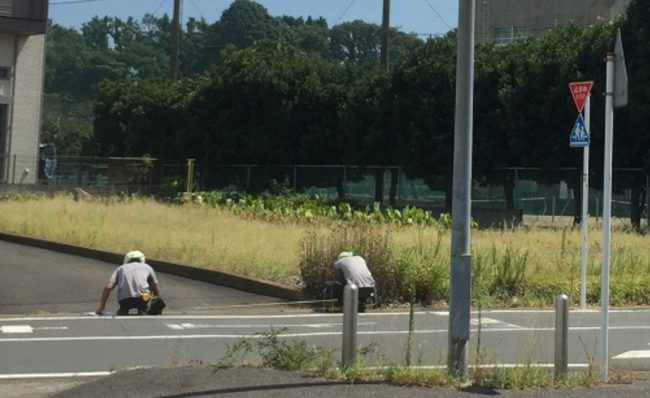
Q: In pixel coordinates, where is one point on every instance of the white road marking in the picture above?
(286, 335)
(292, 335)
(491, 322)
(302, 315)
(16, 329)
(640, 354)
(28, 328)
(494, 365)
(51, 328)
(185, 326)
(52, 375)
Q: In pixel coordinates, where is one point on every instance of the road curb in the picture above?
(221, 278)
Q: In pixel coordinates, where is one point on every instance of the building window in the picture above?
(4, 73)
(507, 35)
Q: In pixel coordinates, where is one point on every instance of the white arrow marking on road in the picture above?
(641, 354)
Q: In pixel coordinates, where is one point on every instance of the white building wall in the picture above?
(25, 122)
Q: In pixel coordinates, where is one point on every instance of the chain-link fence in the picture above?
(532, 191)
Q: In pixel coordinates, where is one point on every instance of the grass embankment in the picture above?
(522, 266)
(202, 236)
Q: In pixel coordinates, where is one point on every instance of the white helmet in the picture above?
(134, 255)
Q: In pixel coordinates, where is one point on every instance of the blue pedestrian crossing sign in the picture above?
(579, 135)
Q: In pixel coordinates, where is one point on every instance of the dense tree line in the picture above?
(265, 90)
(108, 48)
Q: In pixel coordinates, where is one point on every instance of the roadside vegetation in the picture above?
(511, 267)
(272, 350)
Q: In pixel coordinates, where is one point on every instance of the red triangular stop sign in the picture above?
(580, 91)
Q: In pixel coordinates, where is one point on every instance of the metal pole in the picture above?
(597, 209)
(461, 260)
(607, 213)
(561, 335)
(585, 208)
(350, 309)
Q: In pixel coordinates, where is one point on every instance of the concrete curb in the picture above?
(221, 278)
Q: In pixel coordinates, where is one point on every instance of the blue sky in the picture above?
(423, 17)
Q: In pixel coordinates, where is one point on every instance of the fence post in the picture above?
(248, 178)
(190, 176)
(350, 309)
(597, 208)
(515, 187)
(13, 171)
(561, 335)
(553, 210)
(647, 197)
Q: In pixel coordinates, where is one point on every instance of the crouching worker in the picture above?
(351, 269)
(137, 287)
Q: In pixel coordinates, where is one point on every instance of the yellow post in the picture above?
(190, 175)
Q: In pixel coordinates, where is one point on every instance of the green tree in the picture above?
(422, 112)
(632, 141)
(359, 43)
(268, 104)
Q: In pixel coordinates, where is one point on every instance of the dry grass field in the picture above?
(217, 239)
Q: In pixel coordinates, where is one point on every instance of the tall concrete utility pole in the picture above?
(461, 261)
(176, 40)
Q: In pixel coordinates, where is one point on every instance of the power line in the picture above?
(438, 14)
(587, 10)
(197, 9)
(63, 3)
(342, 14)
(159, 7)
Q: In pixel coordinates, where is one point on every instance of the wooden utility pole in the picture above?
(176, 40)
(385, 29)
(385, 62)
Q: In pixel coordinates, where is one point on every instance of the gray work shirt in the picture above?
(355, 270)
(132, 279)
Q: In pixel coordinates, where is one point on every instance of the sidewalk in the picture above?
(204, 381)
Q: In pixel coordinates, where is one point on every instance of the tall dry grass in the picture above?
(202, 236)
(217, 239)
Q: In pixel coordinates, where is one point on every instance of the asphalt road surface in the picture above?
(56, 340)
(41, 281)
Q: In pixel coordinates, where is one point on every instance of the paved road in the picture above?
(38, 346)
(267, 383)
(41, 281)
(60, 344)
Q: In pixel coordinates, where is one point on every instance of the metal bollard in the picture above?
(350, 309)
(561, 335)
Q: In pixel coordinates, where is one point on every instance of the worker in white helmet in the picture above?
(137, 286)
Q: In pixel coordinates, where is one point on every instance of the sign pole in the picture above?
(581, 92)
(585, 208)
(607, 214)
